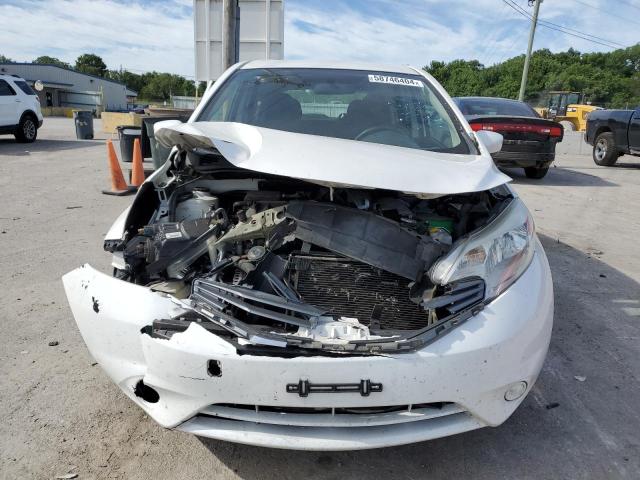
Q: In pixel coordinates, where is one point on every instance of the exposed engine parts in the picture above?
(276, 262)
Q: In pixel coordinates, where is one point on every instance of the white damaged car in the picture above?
(328, 260)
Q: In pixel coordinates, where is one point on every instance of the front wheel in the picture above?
(605, 152)
(27, 130)
(535, 172)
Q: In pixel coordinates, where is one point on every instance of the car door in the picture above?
(634, 132)
(8, 104)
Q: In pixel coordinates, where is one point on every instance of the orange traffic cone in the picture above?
(118, 184)
(137, 171)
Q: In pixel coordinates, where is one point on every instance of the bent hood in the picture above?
(336, 162)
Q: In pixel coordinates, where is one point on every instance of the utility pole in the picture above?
(230, 26)
(532, 32)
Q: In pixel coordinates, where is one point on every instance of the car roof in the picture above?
(402, 69)
(6, 76)
(490, 98)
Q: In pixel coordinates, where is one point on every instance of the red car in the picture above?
(529, 140)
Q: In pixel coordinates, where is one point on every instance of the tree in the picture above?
(92, 64)
(131, 80)
(47, 60)
(608, 79)
(4, 59)
(161, 86)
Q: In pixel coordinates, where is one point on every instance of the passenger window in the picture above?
(5, 89)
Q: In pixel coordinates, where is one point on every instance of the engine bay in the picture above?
(276, 264)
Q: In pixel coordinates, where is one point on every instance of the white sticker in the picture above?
(173, 235)
(410, 82)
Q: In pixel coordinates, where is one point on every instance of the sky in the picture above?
(145, 35)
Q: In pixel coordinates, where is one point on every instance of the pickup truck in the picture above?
(613, 133)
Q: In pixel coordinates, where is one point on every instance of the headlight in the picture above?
(499, 253)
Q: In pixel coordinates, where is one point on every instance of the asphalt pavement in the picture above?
(60, 413)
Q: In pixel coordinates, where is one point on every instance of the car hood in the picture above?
(336, 162)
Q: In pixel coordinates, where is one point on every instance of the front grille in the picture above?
(336, 410)
(333, 417)
(349, 288)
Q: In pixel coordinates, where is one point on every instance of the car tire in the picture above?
(568, 126)
(605, 152)
(536, 172)
(27, 130)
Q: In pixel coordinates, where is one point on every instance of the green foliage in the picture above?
(608, 79)
(92, 64)
(131, 80)
(4, 59)
(162, 85)
(155, 85)
(47, 60)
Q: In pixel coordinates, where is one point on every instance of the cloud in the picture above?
(418, 31)
(144, 35)
(140, 37)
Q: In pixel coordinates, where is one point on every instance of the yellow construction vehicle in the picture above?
(568, 108)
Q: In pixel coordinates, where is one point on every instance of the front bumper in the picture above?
(456, 384)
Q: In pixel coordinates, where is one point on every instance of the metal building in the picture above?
(64, 87)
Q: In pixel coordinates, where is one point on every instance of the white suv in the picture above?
(20, 113)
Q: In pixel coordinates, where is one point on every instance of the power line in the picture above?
(630, 4)
(562, 29)
(547, 22)
(608, 12)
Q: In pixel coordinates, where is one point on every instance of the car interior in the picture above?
(352, 108)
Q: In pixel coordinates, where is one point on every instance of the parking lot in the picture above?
(62, 414)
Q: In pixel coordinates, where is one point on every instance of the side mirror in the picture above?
(491, 140)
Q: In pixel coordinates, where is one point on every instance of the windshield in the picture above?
(494, 106)
(393, 109)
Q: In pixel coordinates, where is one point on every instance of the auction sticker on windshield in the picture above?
(411, 82)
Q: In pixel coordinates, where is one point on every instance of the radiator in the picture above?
(350, 288)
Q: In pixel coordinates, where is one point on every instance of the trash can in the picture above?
(159, 153)
(84, 124)
(127, 134)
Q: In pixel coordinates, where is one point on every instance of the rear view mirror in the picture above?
(491, 140)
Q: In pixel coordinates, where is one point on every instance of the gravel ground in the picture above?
(60, 413)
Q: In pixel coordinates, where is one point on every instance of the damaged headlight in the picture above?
(499, 253)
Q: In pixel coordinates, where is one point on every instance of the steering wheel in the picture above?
(380, 128)
(400, 137)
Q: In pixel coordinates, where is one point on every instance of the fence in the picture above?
(183, 102)
(332, 110)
